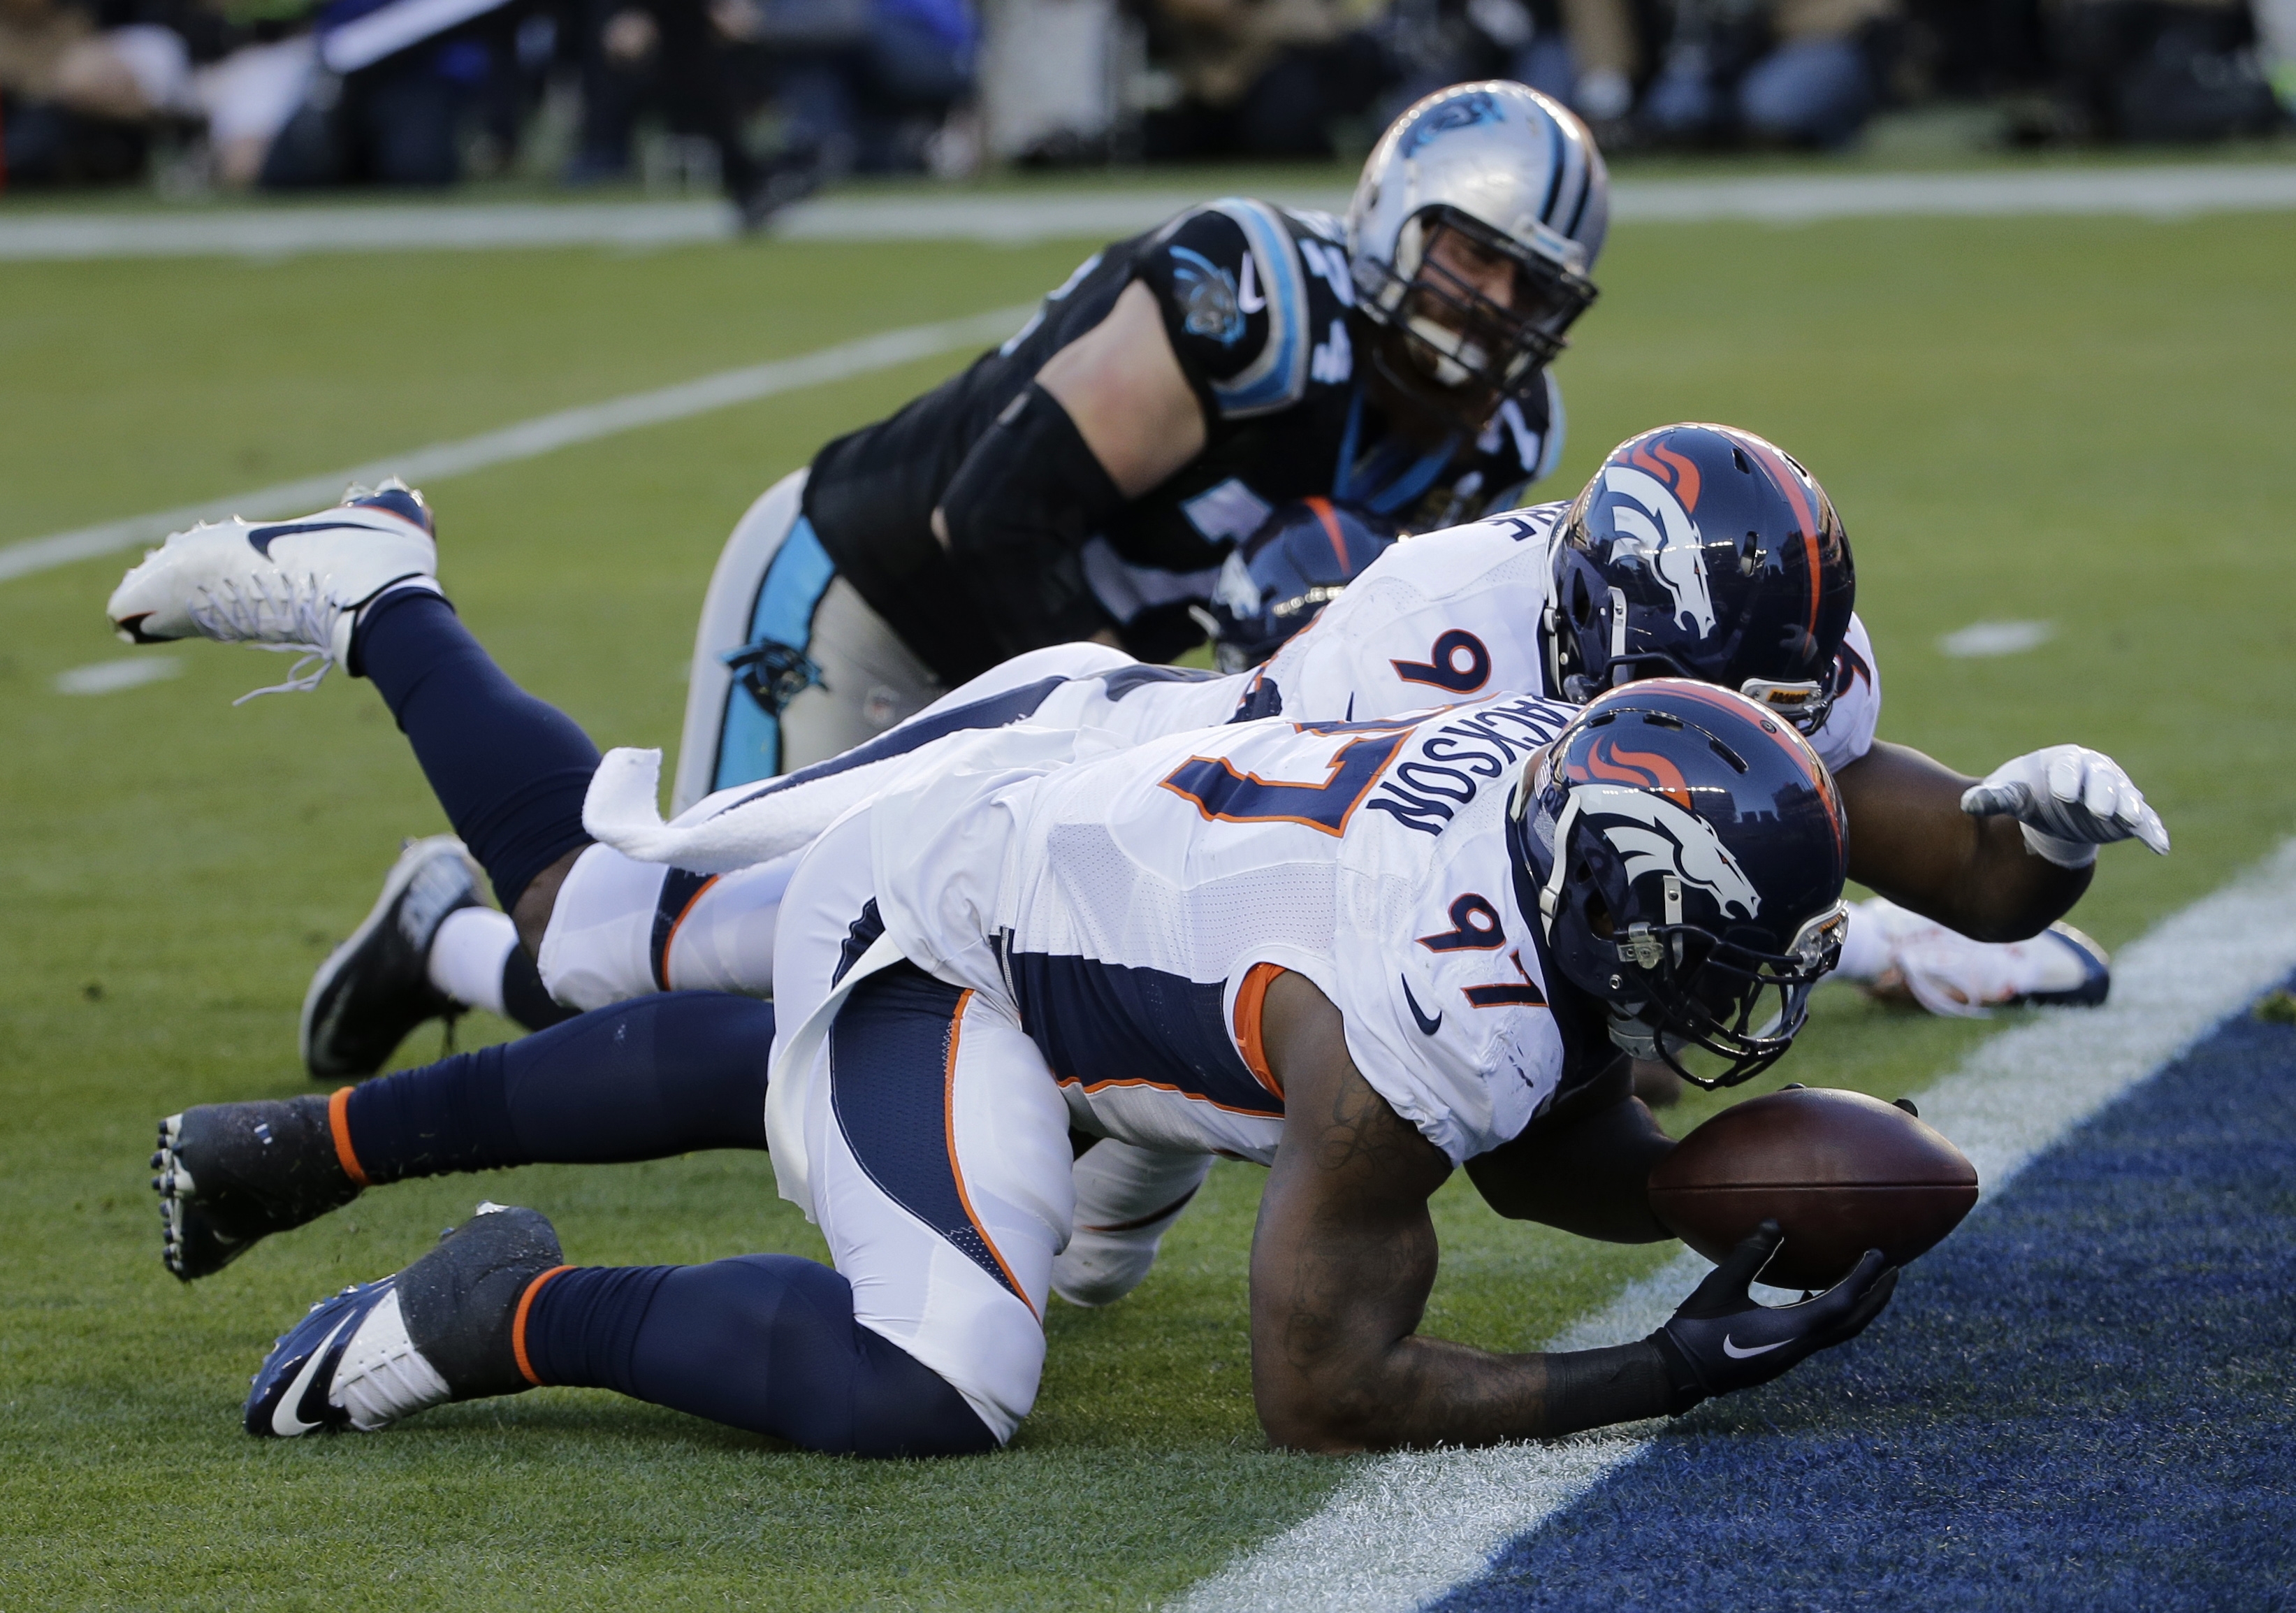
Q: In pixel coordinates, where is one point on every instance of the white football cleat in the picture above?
(1948, 974)
(283, 585)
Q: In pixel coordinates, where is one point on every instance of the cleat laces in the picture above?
(282, 613)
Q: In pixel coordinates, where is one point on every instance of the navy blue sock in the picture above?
(641, 1080)
(526, 1002)
(510, 770)
(762, 1342)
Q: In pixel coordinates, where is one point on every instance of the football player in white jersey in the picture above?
(1698, 550)
(1258, 940)
(699, 906)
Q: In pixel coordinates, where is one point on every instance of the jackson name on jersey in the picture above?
(1129, 913)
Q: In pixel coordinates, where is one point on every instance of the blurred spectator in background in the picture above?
(778, 96)
(392, 88)
(1797, 72)
(76, 98)
(1263, 77)
(2157, 70)
(859, 85)
(2276, 27)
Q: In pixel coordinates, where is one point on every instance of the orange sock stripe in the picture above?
(518, 1325)
(339, 1107)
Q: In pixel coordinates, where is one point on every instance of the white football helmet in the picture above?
(1518, 176)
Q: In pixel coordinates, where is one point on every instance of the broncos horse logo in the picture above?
(1653, 836)
(1658, 490)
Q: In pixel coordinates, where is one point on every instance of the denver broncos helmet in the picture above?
(1704, 552)
(1279, 579)
(1683, 849)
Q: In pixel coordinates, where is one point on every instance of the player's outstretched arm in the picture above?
(1911, 840)
(1344, 1257)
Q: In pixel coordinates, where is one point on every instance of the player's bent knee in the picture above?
(598, 950)
(769, 1343)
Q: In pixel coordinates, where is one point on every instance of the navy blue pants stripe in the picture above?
(681, 888)
(891, 1053)
(2082, 1400)
(1099, 1021)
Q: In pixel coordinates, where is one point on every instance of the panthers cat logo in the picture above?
(1209, 306)
(1480, 106)
(1662, 532)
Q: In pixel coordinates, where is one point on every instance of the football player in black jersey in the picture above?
(1085, 479)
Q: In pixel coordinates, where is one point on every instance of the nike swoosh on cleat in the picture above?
(287, 1416)
(1735, 1353)
(260, 538)
(1427, 1026)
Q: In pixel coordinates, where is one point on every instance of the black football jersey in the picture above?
(1259, 302)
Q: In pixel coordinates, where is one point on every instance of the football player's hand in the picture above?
(1723, 1339)
(2070, 800)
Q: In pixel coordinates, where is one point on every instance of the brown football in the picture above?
(1839, 1171)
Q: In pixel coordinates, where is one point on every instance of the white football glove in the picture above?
(2070, 800)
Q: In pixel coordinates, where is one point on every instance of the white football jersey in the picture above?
(1130, 911)
(1441, 618)
(1459, 615)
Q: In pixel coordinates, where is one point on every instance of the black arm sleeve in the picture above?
(1626, 1383)
(1020, 509)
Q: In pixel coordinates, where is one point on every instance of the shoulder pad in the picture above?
(1278, 378)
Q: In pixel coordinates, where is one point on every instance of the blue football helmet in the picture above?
(1703, 551)
(1683, 850)
(1279, 579)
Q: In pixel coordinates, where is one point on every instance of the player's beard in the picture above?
(1422, 409)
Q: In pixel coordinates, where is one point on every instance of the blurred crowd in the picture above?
(767, 98)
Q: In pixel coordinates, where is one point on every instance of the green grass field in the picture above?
(2080, 420)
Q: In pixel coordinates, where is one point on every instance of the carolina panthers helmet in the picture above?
(1683, 850)
(1279, 579)
(1704, 552)
(1517, 177)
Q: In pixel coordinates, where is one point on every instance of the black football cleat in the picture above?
(376, 987)
(439, 1330)
(232, 1173)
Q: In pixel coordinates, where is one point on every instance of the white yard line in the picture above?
(2165, 191)
(110, 677)
(1405, 1528)
(529, 439)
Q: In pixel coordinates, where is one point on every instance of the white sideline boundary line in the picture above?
(529, 439)
(2161, 192)
(1405, 1528)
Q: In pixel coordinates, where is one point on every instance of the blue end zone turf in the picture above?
(2085, 1399)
